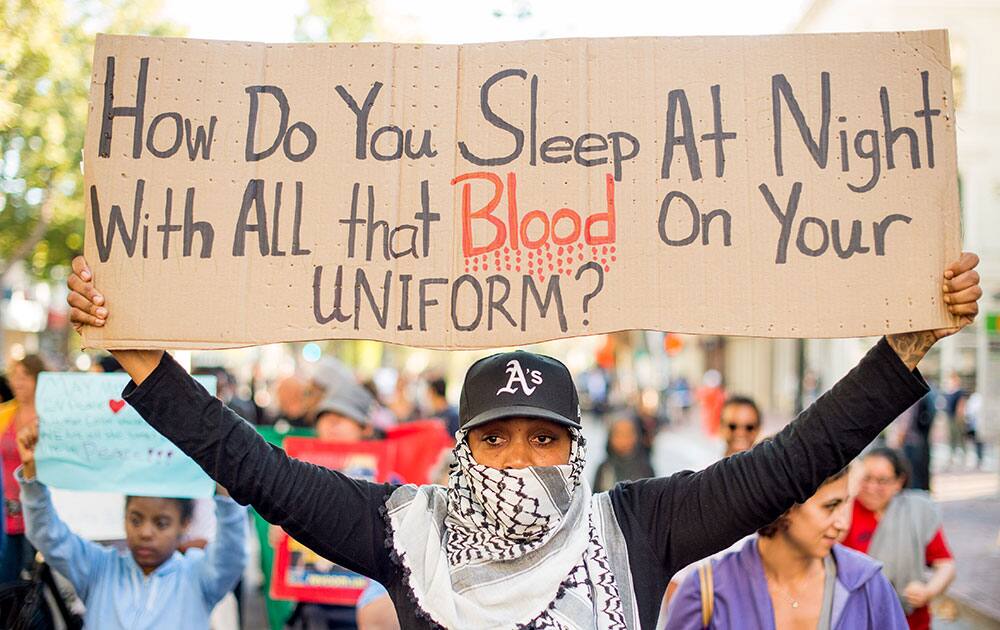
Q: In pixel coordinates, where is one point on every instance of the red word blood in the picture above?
(562, 227)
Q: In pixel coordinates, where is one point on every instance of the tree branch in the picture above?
(37, 234)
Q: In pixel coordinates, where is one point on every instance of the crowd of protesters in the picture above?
(828, 552)
(812, 558)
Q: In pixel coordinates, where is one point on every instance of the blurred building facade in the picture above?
(973, 26)
(783, 375)
(34, 317)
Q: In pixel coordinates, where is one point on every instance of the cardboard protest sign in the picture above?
(91, 439)
(501, 194)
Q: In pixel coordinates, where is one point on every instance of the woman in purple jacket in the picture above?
(793, 574)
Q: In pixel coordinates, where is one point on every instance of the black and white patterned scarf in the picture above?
(527, 548)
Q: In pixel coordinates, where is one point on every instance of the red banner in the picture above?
(409, 454)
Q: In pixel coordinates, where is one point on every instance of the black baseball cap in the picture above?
(518, 384)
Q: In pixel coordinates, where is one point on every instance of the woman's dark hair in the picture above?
(33, 364)
(438, 385)
(186, 506)
(900, 467)
(620, 418)
(781, 523)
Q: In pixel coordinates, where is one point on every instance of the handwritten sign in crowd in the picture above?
(90, 439)
(494, 194)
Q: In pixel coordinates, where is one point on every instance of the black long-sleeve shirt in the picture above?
(667, 522)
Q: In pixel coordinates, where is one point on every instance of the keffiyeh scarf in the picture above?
(526, 548)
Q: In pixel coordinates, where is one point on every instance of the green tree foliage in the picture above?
(334, 21)
(46, 51)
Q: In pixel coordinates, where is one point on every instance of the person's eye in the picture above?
(545, 440)
(162, 524)
(492, 440)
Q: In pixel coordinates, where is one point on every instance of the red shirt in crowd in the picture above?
(863, 525)
(14, 521)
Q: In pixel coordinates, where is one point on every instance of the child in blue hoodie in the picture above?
(152, 585)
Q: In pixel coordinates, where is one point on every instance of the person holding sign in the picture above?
(518, 539)
(151, 586)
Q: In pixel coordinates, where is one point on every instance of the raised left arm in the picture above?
(224, 558)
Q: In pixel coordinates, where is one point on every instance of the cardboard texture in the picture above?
(502, 194)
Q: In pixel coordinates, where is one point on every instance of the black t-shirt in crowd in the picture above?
(667, 522)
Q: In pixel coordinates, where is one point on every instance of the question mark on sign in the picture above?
(599, 270)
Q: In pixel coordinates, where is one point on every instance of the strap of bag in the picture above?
(72, 621)
(26, 615)
(707, 585)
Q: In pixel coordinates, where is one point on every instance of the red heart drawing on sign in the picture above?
(116, 405)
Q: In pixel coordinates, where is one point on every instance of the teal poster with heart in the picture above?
(90, 438)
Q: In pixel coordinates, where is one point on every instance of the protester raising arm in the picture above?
(332, 514)
(654, 526)
(79, 560)
(226, 556)
(689, 516)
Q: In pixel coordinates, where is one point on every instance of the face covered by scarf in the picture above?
(513, 548)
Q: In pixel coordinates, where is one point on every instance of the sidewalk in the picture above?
(970, 508)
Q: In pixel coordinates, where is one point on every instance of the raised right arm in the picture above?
(334, 515)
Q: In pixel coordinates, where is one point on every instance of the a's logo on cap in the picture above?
(516, 377)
